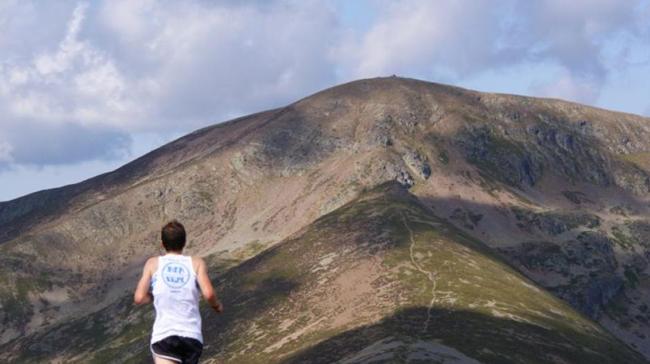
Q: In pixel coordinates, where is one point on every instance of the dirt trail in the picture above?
(431, 275)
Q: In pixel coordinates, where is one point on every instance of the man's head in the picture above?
(173, 236)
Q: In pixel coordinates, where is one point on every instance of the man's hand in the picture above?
(218, 307)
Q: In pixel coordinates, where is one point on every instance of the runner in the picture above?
(172, 282)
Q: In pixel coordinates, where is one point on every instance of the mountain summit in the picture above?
(383, 220)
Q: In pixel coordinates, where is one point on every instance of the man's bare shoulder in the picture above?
(197, 259)
(152, 264)
(197, 262)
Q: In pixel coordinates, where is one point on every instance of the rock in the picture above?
(593, 251)
(380, 133)
(570, 153)
(592, 295)
(539, 256)
(499, 157)
(405, 179)
(552, 222)
(577, 197)
(417, 164)
(395, 171)
(591, 255)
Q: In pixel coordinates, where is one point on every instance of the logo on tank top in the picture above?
(175, 275)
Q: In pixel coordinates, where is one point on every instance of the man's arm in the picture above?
(142, 294)
(206, 286)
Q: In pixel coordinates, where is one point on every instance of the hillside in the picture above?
(526, 221)
(381, 277)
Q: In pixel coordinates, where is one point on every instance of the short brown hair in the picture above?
(173, 236)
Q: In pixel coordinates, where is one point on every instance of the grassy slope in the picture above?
(378, 279)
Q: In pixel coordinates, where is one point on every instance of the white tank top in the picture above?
(176, 299)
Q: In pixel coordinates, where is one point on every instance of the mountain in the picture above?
(386, 219)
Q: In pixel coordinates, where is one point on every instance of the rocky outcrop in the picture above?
(417, 164)
(591, 295)
(553, 222)
(585, 269)
(568, 152)
(499, 157)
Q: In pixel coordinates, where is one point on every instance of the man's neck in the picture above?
(174, 252)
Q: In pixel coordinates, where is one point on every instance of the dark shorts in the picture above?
(179, 349)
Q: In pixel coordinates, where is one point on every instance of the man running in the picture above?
(175, 280)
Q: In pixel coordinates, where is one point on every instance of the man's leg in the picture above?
(163, 351)
(159, 360)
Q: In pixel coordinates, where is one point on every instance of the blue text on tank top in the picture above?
(175, 275)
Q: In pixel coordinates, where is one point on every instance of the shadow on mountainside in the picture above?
(247, 291)
(484, 338)
(573, 246)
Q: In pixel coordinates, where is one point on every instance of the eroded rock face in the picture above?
(520, 156)
(540, 256)
(583, 271)
(417, 164)
(500, 157)
(592, 294)
(568, 150)
(553, 222)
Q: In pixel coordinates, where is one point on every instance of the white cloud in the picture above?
(104, 70)
(453, 40)
(429, 38)
(46, 91)
(5, 152)
(59, 86)
(237, 59)
(568, 87)
(132, 21)
(69, 48)
(575, 33)
(122, 67)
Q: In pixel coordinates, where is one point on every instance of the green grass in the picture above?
(623, 239)
(640, 160)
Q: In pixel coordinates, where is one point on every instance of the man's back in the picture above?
(176, 298)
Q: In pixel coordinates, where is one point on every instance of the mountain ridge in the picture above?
(556, 189)
(143, 161)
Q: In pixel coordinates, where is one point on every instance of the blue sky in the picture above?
(86, 86)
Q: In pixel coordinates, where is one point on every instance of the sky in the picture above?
(87, 86)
